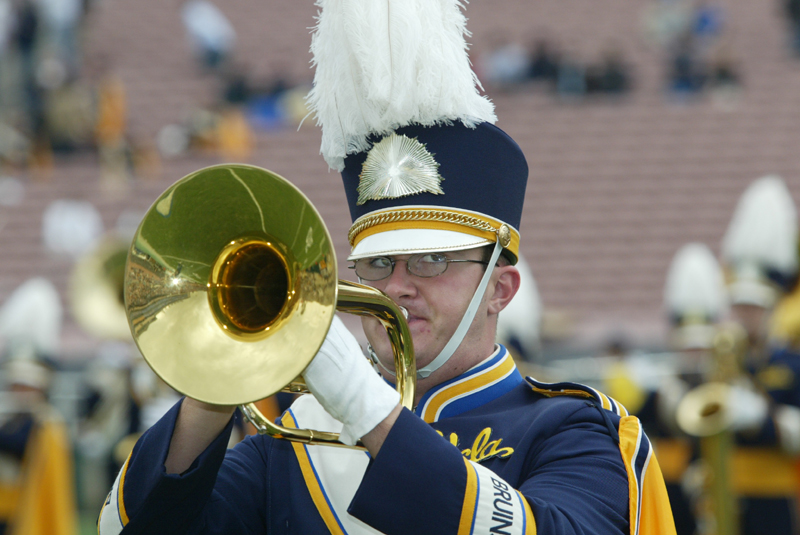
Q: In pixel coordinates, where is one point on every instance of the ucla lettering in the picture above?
(482, 447)
(503, 516)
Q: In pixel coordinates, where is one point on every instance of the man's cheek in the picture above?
(375, 332)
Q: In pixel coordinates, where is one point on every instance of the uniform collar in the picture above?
(487, 381)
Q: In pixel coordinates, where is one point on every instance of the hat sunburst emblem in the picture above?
(398, 166)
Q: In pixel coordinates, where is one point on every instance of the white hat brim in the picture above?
(699, 336)
(751, 292)
(412, 241)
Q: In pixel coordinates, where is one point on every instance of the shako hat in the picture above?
(759, 249)
(694, 296)
(423, 166)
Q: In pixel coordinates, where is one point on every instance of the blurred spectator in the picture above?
(689, 33)
(725, 81)
(111, 127)
(725, 74)
(111, 110)
(69, 115)
(209, 31)
(707, 24)
(571, 78)
(266, 108)
(61, 19)
(611, 76)
(793, 15)
(6, 26)
(543, 62)
(506, 63)
(665, 21)
(237, 88)
(687, 73)
(25, 41)
(234, 137)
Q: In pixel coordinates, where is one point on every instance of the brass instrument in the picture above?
(95, 290)
(705, 412)
(231, 287)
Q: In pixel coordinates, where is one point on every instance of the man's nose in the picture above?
(400, 283)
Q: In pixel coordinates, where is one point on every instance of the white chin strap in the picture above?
(466, 321)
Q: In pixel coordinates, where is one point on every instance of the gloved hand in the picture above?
(346, 385)
(748, 408)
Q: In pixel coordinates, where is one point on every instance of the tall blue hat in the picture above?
(423, 166)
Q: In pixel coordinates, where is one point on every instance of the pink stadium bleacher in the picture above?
(615, 187)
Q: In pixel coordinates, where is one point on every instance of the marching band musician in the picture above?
(436, 192)
(759, 252)
(37, 485)
(695, 300)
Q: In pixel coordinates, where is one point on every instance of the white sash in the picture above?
(338, 471)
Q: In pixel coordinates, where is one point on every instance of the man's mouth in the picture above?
(410, 318)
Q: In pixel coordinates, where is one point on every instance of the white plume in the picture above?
(763, 231)
(32, 315)
(383, 64)
(695, 283)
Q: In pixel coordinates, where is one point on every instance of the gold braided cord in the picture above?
(440, 216)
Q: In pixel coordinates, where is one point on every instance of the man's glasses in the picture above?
(422, 265)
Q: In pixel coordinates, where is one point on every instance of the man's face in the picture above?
(435, 305)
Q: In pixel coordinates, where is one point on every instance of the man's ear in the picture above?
(505, 288)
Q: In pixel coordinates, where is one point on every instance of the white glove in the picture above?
(346, 385)
(748, 409)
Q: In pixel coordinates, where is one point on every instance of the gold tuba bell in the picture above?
(230, 289)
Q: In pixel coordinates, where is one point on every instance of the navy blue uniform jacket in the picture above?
(487, 452)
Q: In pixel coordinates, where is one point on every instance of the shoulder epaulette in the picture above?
(577, 390)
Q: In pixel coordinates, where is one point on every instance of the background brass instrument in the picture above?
(230, 289)
(95, 291)
(705, 412)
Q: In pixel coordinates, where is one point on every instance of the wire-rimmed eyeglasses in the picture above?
(422, 265)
